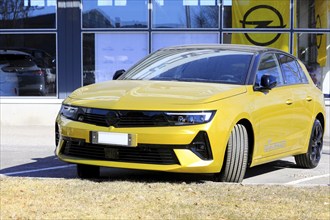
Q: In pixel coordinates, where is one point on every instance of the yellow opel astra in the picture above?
(215, 109)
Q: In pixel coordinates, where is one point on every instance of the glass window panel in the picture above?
(269, 65)
(274, 40)
(312, 14)
(104, 54)
(27, 14)
(312, 50)
(28, 65)
(289, 69)
(115, 14)
(256, 14)
(190, 2)
(185, 14)
(160, 40)
(207, 2)
(302, 74)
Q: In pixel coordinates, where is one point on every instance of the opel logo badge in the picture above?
(274, 14)
(112, 118)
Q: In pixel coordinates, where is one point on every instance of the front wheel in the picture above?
(88, 171)
(236, 158)
(313, 155)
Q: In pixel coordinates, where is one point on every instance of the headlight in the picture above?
(189, 118)
(70, 112)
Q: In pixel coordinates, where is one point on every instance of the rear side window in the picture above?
(269, 66)
(302, 74)
(290, 69)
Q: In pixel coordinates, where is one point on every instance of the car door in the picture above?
(273, 112)
(302, 100)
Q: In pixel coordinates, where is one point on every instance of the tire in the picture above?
(234, 167)
(88, 171)
(313, 155)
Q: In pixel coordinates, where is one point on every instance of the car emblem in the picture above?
(262, 24)
(112, 118)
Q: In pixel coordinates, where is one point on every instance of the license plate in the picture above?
(112, 138)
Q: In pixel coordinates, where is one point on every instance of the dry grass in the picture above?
(27, 198)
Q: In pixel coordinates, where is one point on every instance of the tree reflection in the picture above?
(14, 12)
(206, 17)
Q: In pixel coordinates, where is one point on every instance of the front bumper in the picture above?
(173, 149)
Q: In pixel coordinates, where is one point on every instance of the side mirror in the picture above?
(118, 73)
(267, 82)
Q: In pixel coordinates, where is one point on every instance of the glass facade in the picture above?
(69, 43)
(27, 14)
(185, 14)
(115, 14)
(28, 48)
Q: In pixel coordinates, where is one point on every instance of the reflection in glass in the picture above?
(312, 14)
(274, 40)
(27, 65)
(269, 65)
(290, 69)
(185, 14)
(15, 14)
(104, 54)
(115, 14)
(193, 65)
(311, 49)
(160, 40)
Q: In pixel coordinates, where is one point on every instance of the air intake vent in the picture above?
(150, 154)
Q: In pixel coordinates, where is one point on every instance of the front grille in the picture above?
(141, 154)
(120, 118)
(95, 119)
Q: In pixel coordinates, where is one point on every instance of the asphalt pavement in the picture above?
(28, 151)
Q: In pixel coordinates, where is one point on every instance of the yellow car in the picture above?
(196, 109)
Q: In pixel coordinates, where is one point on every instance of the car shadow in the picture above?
(48, 167)
(268, 168)
(52, 167)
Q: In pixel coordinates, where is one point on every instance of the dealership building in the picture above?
(74, 43)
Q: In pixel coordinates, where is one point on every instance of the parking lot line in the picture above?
(307, 179)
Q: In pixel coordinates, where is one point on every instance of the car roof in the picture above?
(234, 47)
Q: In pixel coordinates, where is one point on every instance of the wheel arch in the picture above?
(320, 117)
(247, 124)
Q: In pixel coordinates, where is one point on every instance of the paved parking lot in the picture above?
(28, 151)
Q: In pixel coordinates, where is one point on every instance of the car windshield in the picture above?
(199, 65)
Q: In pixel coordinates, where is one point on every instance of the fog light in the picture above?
(201, 146)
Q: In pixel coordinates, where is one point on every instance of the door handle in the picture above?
(289, 102)
(308, 98)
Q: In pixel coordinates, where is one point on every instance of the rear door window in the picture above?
(290, 69)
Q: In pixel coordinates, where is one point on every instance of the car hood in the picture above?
(137, 94)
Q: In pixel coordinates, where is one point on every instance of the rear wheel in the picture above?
(236, 158)
(313, 155)
(88, 171)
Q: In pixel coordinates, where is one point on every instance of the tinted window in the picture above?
(205, 65)
(269, 66)
(290, 69)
